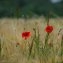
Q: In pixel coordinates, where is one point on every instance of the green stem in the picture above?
(48, 18)
(30, 48)
(62, 48)
(0, 47)
(46, 39)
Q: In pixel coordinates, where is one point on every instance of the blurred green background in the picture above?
(30, 8)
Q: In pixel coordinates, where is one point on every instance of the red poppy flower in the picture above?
(49, 29)
(26, 35)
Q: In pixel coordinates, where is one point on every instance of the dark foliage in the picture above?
(24, 8)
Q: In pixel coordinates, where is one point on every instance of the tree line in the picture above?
(24, 8)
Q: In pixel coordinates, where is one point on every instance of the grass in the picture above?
(34, 49)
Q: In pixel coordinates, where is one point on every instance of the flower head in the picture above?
(26, 35)
(49, 29)
(17, 44)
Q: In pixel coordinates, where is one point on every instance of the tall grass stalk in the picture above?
(62, 49)
(30, 49)
(0, 47)
(37, 41)
(46, 39)
(31, 46)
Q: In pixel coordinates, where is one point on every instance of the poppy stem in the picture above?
(46, 39)
(30, 49)
(48, 19)
(25, 20)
